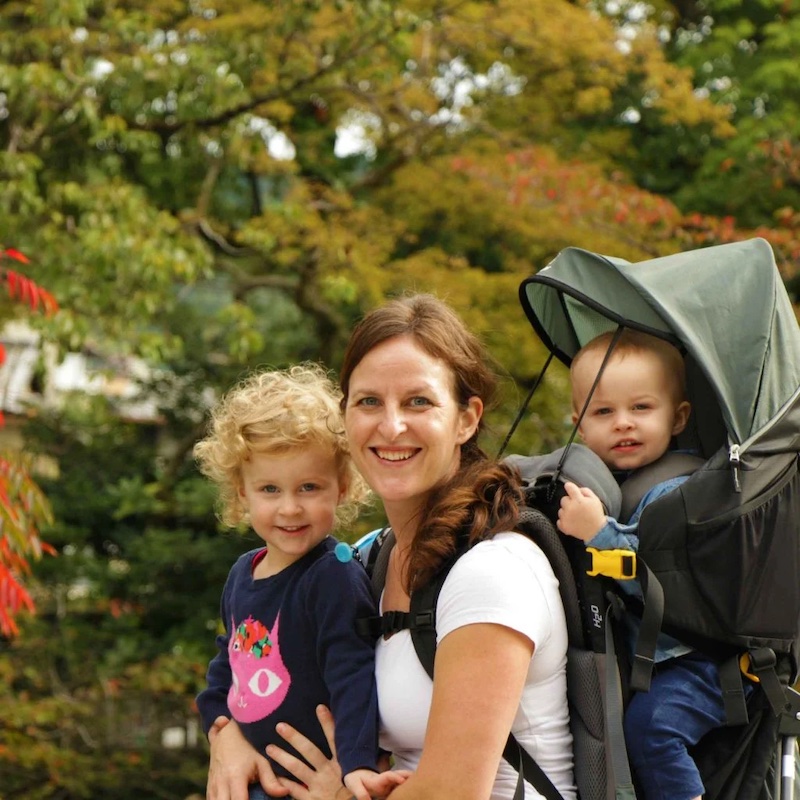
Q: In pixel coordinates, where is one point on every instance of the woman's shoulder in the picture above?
(503, 580)
(507, 545)
(508, 555)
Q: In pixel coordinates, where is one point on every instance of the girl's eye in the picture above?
(270, 488)
(308, 487)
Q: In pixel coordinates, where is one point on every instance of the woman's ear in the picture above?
(470, 419)
(681, 417)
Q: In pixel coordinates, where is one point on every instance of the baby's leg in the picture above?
(683, 704)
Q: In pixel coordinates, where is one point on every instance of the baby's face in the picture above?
(632, 415)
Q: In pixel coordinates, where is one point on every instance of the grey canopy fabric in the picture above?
(725, 305)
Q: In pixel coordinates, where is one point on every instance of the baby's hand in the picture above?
(366, 784)
(581, 514)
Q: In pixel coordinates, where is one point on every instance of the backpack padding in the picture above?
(670, 465)
(586, 671)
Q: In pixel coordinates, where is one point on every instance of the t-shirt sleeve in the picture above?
(500, 581)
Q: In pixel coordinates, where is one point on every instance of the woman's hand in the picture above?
(323, 779)
(234, 764)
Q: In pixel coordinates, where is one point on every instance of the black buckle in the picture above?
(394, 621)
(762, 658)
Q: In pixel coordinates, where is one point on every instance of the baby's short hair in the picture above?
(273, 412)
(633, 341)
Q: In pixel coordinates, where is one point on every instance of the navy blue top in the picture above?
(290, 643)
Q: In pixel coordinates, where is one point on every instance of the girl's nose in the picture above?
(290, 505)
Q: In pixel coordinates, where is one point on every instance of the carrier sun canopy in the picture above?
(724, 305)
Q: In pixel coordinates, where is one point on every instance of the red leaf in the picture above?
(17, 256)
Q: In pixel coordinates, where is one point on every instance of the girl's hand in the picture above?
(365, 784)
(234, 764)
(323, 779)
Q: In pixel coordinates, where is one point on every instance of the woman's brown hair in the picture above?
(482, 498)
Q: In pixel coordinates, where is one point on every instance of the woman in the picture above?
(415, 384)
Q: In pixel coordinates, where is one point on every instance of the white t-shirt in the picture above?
(507, 581)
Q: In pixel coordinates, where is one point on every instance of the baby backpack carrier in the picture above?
(719, 557)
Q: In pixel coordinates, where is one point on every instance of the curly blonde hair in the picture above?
(274, 411)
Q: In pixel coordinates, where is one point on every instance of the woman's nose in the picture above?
(392, 423)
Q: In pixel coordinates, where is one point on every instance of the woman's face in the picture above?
(403, 423)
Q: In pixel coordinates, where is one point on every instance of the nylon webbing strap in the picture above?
(730, 678)
(519, 758)
(652, 617)
(378, 564)
(615, 736)
(762, 664)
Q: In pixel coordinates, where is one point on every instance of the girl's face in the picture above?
(403, 423)
(291, 499)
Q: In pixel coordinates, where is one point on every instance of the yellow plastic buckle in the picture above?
(617, 564)
(744, 666)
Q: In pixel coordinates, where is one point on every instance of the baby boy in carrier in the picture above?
(635, 409)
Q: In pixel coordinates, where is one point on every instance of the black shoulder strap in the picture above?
(378, 561)
(670, 465)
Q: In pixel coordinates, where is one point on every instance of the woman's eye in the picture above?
(419, 402)
(368, 401)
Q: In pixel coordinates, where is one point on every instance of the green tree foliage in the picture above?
(181, 171)
(743, 54)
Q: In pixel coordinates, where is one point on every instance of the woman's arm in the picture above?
(479, 676)
(480, 673)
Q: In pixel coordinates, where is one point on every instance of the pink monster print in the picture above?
(260, 681)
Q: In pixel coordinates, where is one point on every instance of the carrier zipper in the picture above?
(734, 458)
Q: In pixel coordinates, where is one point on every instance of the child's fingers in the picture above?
(572, 489)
